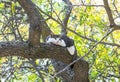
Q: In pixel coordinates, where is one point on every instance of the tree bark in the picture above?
(43, 50)
(81, 69)
(38, 26)
(51, 51)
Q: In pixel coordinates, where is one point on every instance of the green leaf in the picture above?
(1, 5)
(13, 8)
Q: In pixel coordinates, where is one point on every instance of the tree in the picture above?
(40, 26)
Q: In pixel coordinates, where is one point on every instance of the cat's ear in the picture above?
(47, 38)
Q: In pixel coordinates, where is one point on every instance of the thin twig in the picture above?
(87, 5)
(37, 70)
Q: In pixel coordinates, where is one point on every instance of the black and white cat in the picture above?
(63, 41)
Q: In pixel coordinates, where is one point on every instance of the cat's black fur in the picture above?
(68, 41)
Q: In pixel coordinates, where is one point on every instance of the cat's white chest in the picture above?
(71, 50)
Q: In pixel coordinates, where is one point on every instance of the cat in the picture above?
(62, 40)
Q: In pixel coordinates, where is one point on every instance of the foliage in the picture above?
(86, 19)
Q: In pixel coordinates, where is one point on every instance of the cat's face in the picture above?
(55, 39)
(61, 42)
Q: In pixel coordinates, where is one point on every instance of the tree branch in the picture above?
(109, 13)
(43, 50)
(87, 5)
(67, 15)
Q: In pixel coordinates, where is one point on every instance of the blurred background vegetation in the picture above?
(88, 19)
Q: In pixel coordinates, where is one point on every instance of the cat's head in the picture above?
(55, 39)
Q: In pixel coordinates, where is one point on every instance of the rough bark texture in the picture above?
(51, 51)
(43, 50)
(81, 69)
(34, 19)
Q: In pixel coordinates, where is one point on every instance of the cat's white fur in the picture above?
(71, 50)
(60, 42)
(56, 41)
(51, 40)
